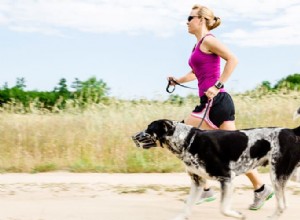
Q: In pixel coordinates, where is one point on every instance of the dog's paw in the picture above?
(234, 214)
(272, 217)
(241, 216)
(181, 217)
(276, 215)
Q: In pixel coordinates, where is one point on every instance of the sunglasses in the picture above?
(191, 18)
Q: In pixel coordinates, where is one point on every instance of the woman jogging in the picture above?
(205, 68)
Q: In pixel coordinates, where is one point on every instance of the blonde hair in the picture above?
(211, 20)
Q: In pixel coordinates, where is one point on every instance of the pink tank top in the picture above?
(206, 68)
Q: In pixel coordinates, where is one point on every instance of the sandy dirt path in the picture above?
(69, 196)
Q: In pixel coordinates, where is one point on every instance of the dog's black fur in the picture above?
(222, 155)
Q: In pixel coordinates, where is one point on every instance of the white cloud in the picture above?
(104, 16)
(261, 22)
(278, 26)
(264, 37)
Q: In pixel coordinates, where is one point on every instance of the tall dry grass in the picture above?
(99, 139)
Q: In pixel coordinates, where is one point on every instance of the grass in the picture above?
(99, 139)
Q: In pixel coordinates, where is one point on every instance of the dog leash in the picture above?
(175, 82)
(199, 126)
(206, 110)
(172, 80)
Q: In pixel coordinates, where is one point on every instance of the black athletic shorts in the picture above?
(221, 109)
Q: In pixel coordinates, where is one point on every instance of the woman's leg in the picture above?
(195, 122)
(254, 178)
(228, 125)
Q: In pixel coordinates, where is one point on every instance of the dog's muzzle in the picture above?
(144, 140)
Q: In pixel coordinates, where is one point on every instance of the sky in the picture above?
(134, 45)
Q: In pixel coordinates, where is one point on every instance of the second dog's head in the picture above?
(297, 114)
(156, 132)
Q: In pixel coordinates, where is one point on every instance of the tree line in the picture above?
(80, 94)
(93, 90)
(291, 82)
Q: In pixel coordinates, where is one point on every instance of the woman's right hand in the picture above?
(171, 80)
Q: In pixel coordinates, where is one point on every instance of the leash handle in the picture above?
(176, 83)
(169, 84)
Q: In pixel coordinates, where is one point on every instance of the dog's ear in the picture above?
(161, 128)
(169, 127)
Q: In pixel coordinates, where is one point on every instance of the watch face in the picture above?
(219, 85)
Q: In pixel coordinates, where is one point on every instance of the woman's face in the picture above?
(194, 22)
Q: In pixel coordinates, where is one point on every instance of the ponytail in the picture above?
(211, 20)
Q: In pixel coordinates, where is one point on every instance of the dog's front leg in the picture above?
(197, 184)
(226, 200)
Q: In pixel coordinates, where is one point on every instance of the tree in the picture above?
(291, 82)
(266, 85)
(92, 90)
(20, 84)
(62, 88)
(77, 85)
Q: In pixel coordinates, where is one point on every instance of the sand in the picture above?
(92, 196)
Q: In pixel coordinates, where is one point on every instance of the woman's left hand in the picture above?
(212, 92)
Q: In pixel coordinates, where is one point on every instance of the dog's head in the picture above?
(156, 132)
(297, 114)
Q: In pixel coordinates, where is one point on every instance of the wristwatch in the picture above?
(219, 85)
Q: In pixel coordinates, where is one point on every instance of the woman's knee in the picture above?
(195, 122)
(228, 125)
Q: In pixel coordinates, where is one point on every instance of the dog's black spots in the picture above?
(260, 149)
(289, 154)
(227, 144)
(233, 144)
(216, 149)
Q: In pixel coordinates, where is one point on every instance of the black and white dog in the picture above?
(222, 155)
